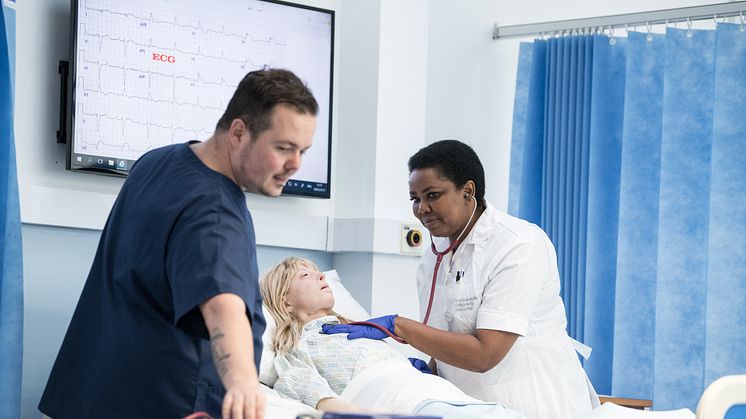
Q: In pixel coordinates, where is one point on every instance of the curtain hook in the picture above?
(649, 37)
(715, 19)
(742, 28)
(612, 39)
(689, 32)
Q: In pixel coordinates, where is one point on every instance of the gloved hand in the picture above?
(362, 331)
(420, 365)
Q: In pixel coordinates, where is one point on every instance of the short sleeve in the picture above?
(208, 253)
(298, 379)
(514, 285)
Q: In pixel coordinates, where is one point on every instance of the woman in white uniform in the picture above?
(496, 324)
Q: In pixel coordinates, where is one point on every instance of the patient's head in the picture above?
(295, 292)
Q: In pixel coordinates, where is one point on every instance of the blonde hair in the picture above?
(274, 287)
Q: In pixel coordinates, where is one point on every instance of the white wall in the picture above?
(402, 93)
(383, 60)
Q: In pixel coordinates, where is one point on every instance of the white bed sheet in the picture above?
(279, 407)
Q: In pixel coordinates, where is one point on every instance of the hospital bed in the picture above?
(711, 405)
(715, 402)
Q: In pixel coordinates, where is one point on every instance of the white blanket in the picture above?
(396, 387)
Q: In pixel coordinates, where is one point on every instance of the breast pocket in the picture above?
(463, 304)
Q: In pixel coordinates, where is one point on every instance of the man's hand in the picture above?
(244, 401)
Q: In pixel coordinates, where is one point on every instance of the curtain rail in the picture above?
(656, 17)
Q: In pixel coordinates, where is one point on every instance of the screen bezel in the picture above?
(294, 187)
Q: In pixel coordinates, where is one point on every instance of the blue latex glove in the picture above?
(362, 331)
(420, 365)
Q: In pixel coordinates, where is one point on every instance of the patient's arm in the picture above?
(333, 404)
(478, 352)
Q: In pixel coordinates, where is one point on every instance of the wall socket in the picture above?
(412, 239)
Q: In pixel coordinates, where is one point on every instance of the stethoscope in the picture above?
(439, 257)
(438, 260)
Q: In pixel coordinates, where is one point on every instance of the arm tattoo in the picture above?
(219, 356)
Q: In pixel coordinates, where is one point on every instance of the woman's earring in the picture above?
(466, 195)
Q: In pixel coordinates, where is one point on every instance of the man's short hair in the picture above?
(258, 94)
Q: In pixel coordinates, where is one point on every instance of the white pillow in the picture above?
(344, 305)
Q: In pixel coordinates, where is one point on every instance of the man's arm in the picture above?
(233, 353)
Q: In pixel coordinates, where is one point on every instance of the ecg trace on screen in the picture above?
(156, 73)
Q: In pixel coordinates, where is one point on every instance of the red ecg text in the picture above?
(164, 58)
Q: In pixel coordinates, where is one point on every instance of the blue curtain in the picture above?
(631, 154)
(11, 265)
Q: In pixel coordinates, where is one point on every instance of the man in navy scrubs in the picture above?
(176, 265)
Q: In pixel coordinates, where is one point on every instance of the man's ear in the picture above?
(236, 131)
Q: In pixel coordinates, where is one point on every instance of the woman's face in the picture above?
(309, 296)
(438, 204)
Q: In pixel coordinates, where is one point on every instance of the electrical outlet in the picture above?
(411, 239)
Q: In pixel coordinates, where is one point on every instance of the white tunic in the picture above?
(508, 280)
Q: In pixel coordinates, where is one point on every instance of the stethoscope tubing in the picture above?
(439, 258)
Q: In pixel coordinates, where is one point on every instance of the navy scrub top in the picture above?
(178, 234)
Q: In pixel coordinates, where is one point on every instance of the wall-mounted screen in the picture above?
(148, 73)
